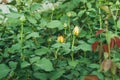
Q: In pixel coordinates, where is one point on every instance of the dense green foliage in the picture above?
(38, 40)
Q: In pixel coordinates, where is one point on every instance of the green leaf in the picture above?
(45, 64)
(56, 74)
(89, 5)
(41, 51)
(54, 24)
(14, 15)
(81, 12)
(118, 23)
(97, 66)
(99, 74)
(31, 19)
(40, 76)
(73, 63)
(4, 70)
(84, 47)
(25, 64)
(13, 65)
(33, 34)
(109, 36)
(15, 47)
(35, 6)
(34, 59)
(57, 45)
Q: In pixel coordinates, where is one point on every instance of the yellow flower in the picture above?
(69, 14)
(60, 39)
(76, 31)
(65, 25)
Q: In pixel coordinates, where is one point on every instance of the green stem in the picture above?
(107, 38)
(115, 23)
(65, 31)
(56, 53)
(73, 42)
(21, 40)
(84, 53)
(100, 20)
(91, 32)
(52, 15)
(69, 24)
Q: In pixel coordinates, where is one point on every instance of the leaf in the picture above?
(94, 46)
(56, 74)
(4, 70)
(25, 64)
(45, 64)
(15, 47)
(118, 23)
(106, 55)
(14, 15)
(33, 34)
(112, 43)
(35, 6)
(99, 32)
(105, 48)
(94, 66)
(13, 65)
(85, 47)
(54, 24)
(98, 74)
(73, 63)
(117, 40)
(31, 19)
(41, 51)
(34, 59)
(40, 76)
(114, 68)
(109, 36)
(106, 65)
(91, 77)
(57, 45)
(106, 9)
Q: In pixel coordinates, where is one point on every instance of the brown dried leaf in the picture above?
(91, 77)
(106, 65)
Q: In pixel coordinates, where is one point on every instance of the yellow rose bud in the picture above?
(60, 39)
(76, 31)
(53, 8)
(65, 25)
(69, 14)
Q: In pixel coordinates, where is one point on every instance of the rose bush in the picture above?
(59, 40)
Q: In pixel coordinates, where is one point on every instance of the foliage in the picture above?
(60, 40)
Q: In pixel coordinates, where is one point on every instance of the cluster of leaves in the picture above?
(29, 49)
